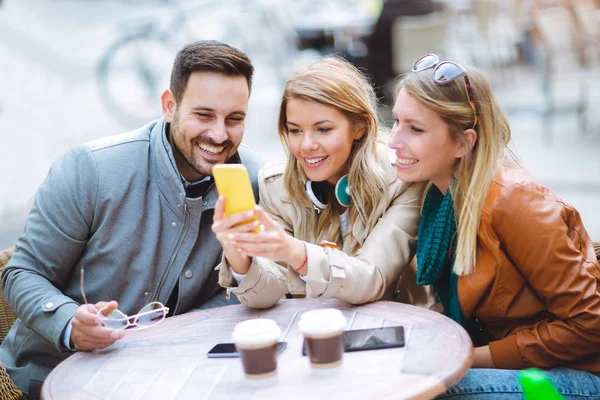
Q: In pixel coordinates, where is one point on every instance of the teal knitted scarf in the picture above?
(436, 249)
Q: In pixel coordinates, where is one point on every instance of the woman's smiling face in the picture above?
(421, 139)
(321, 138)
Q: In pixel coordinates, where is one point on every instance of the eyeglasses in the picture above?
(150, 315)
(445, 72)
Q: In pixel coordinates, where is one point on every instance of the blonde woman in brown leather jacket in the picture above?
(509, 260)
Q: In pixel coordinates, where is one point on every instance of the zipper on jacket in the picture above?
(172, 260)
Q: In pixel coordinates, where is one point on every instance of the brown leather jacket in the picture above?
(536, 285)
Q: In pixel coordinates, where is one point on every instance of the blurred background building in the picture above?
(75, 70)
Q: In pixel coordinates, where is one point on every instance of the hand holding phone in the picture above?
(233, 183)
(236, 199)
(234, 229)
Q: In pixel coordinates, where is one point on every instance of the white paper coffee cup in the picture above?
(256, 342)
(322, 330)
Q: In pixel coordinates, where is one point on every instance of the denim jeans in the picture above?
(503, 384)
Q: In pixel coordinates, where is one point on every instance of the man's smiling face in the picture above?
(207, 126)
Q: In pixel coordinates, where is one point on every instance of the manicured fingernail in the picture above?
(230, 236)
(256, 223)
(262, 228)
(233, 242)
(250, 213)
(239, 250)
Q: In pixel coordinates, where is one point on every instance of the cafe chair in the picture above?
(8, 389)
(564, 66)
(588, 18)
(415, 35)
(7, 316)
(597, 248)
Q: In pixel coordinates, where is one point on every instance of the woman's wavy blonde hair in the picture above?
(474, 172)
(336, 83)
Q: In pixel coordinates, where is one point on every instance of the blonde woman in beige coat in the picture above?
(311, 242)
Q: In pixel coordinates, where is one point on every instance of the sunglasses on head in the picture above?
(445, 72)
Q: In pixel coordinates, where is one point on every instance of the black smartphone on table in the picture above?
(227, 350)
(371, 339)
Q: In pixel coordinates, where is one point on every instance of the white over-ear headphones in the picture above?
(342, 193)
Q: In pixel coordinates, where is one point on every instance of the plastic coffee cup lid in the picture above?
(322, 321)
(256, 331)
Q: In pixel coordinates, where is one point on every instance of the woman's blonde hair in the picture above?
(336, 83)
(473, 173)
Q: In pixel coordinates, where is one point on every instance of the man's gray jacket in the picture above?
(116, 206)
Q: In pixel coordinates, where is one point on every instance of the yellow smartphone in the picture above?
(233, 182)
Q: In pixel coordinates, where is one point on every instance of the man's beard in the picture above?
(201, 166)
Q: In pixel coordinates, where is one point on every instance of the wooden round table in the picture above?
(169, 361)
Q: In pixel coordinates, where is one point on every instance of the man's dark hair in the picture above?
(208, 56)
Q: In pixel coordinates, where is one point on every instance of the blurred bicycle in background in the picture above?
(135, 69)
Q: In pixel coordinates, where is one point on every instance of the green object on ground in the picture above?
(537, 386)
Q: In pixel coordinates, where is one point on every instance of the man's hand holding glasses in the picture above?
(96, 326)
(88, 332)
